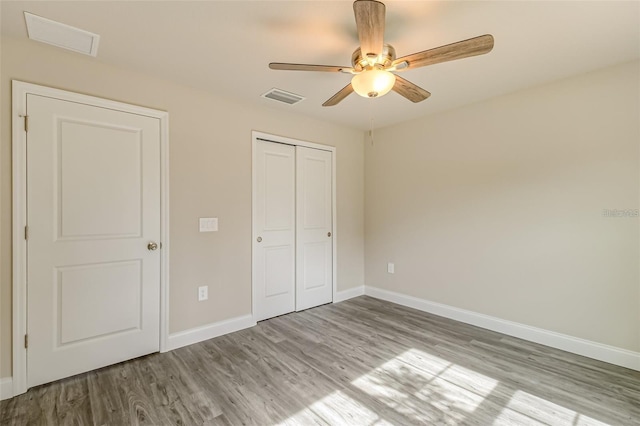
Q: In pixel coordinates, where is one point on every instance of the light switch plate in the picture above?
(208, 224)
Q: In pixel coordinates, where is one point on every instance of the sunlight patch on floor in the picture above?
(337, 408)
(524, 408)
(412, 381)
(431, 390)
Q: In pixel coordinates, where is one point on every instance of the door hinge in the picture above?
(26, 341)
(26, 232)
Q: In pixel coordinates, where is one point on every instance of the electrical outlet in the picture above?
(203, 293)
(391, 268)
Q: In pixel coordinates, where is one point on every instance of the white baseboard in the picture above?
(590, 349)
(206, 332)
(6, 388)
(350, 293)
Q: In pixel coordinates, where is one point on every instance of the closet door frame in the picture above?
(255, 136)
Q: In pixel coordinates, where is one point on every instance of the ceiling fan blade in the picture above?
(306, 67)
(343, 93)
(370, 23)
(409, 90)
(462, 49)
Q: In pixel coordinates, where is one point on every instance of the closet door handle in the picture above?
(328, 234)
(259, 239)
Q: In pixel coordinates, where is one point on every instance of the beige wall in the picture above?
(210, 175)
(497, 207)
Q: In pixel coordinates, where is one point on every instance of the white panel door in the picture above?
(93, 200)
(274, 230)
(314, 246)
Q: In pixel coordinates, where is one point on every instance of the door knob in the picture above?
(259, 239)
(328, 234)
(152, 246)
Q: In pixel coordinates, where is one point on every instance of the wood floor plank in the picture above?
(106, 402)
(360, 362)
(73, 405)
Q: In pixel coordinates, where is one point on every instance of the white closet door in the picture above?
(93, 207)
(274, 230)
(314, 247)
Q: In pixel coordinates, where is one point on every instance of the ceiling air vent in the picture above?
(61, 35)
(282, 96)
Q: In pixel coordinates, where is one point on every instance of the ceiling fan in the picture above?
(374, 60)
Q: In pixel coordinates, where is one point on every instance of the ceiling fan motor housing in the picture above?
(384, 60)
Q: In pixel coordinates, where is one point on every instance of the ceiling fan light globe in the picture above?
(374, 82)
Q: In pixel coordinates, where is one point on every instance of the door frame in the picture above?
(255, 136)
(20, 90)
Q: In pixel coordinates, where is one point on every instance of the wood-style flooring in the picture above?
(359, 362)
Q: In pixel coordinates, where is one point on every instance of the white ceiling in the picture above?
(224, 47)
